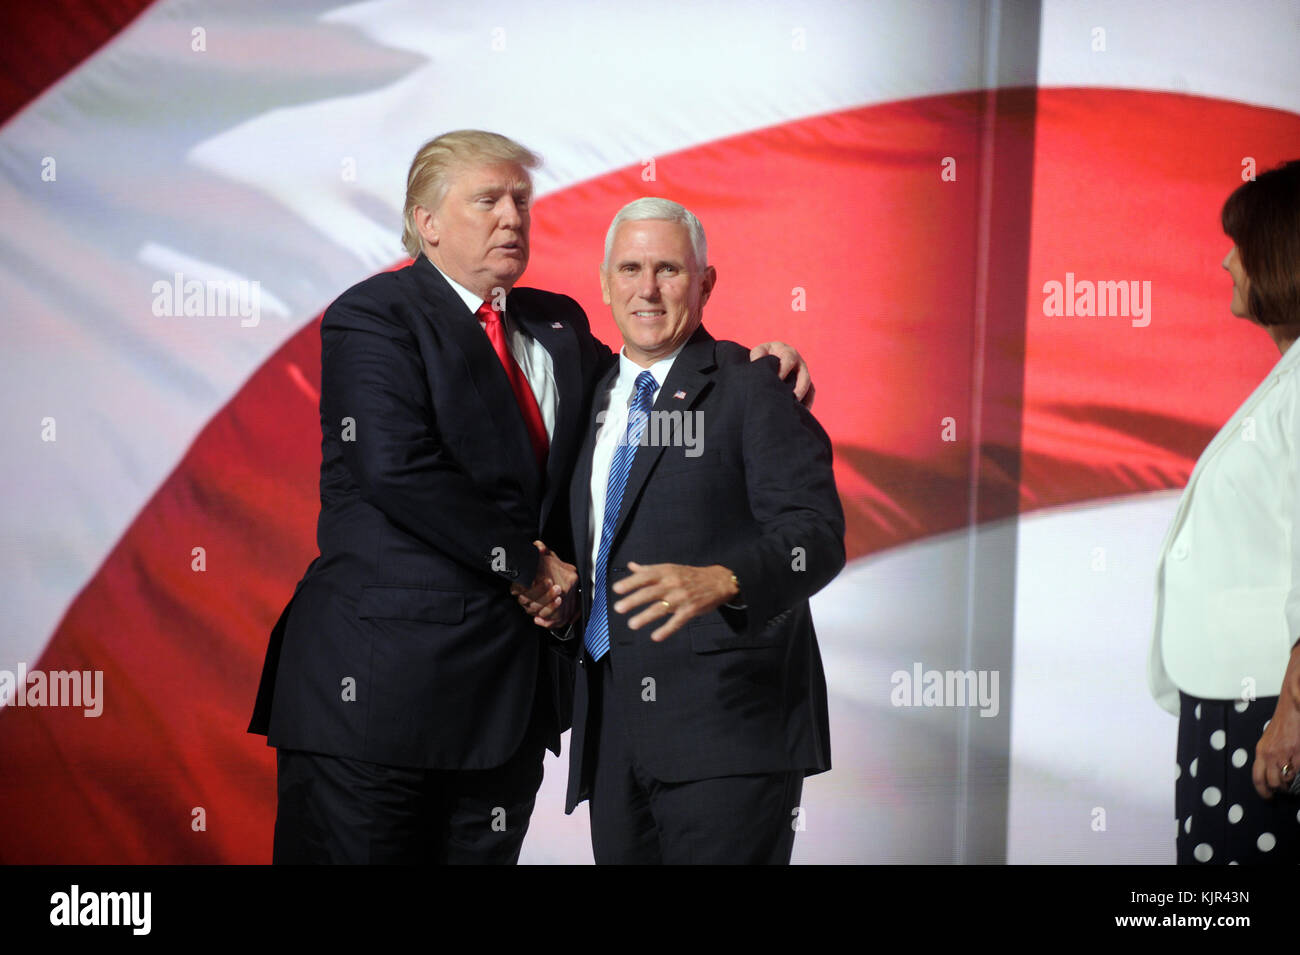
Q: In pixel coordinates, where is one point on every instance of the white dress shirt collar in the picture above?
(628, 370)
(472, 301)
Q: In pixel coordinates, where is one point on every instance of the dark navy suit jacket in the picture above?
(734, 691)
(402, 644)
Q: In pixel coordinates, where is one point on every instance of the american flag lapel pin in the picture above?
(680, 394)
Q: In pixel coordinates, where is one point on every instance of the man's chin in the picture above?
(650, 351)
(509, 276)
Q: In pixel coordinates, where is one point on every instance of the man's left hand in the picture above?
(790, 361)
(678, 592)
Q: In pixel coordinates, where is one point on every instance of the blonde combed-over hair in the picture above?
(431, 169)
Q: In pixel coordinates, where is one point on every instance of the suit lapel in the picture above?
(684, 386)
(580, 491)
(560, 342)
(457, 324)
(580, 485)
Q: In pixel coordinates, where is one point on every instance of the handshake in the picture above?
(677, 592)
(552, 598)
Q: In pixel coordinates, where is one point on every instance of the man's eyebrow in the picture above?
(503, 186)
(675, 263)
(498, 189)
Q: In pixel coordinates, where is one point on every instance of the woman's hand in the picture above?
(1279, 747)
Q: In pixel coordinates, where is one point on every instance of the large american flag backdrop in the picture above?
(890, 186)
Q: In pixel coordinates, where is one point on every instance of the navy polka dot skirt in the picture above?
(1221, 819)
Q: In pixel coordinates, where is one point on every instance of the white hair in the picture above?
(650, 207)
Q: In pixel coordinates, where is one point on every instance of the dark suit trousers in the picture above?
(638, 820)
(332, 809)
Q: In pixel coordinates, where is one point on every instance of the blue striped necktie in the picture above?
(596, 638)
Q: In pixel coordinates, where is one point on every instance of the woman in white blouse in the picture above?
(1228, 578)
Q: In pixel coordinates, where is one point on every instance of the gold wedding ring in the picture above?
(667, 605)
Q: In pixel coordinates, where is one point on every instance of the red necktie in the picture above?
(524, 396)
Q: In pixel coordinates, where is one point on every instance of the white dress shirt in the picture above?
(1228, 577)
(615, 403)
(534, 360)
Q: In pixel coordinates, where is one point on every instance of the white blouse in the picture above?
(1228, 577)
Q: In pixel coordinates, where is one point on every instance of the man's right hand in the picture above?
(551, 599)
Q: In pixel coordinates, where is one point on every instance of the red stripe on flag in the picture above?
(45, 40)
(849, 208)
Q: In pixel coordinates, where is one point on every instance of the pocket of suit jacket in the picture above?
(411, 603)
(711, 635)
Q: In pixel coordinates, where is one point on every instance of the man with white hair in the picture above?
(409, 698)
(706, 502)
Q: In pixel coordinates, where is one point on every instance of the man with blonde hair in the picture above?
(409, 698)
